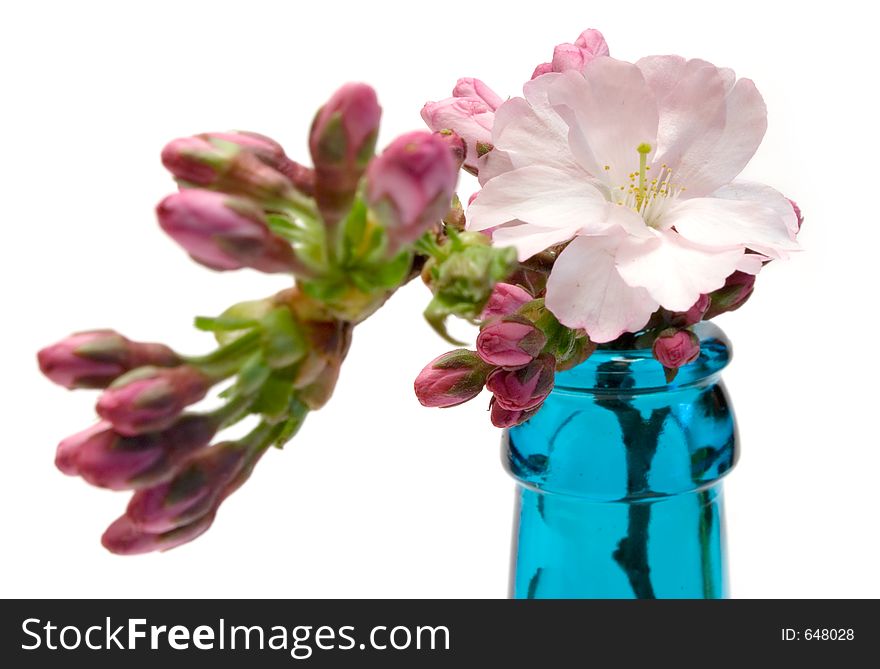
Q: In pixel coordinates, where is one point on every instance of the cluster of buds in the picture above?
(518, 351)
(345, 230)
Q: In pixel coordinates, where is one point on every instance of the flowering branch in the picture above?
(345, 231)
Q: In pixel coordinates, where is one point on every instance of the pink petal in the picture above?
(715, 221)
(530, 239)
(586, 291)
(540, 195)
(710, 164)
(528, 131)
(610, 111)
(766, 196)
(673, 270)
(691, 102)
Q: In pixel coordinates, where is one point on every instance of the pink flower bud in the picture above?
(468, 87)
(223, 232)
(123, 537)
(510, 342)
(451, 379)
(591, 44)
(410, 185)
(505, 299)
(502, 417)
(109, 460)
(456, 145)
(149, 399)
(95, 358)
(471, 118)
(676, 348)
(524, 388)
(736, 291)
(342, 140)
(692, 316)
(235, 163)
(194, 492)
(192, 159)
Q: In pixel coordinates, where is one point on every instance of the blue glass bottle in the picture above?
(619, 479)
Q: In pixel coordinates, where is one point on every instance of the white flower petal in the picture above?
(530, 239)
(715, 221)
(540, 195)
(610, 111)
(712, 162)
(751, 263)
(528, 131)
(691, 105)
(586, 291)
(764, 195)
(674, 271)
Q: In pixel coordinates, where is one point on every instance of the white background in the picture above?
(378, 496)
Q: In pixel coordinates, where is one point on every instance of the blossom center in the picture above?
(649, 197)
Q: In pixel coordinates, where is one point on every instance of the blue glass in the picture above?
(619, 479)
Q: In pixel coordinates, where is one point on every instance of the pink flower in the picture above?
(410, 185)
(505, 299)
(510, 342)
(341, 141)
(588, 46)
(502, 417)
(150, 399)
(224, 232)
(676, 348)
(95, 358)
(633, 165)
(451, 379)
(470, 113)
(523, 388)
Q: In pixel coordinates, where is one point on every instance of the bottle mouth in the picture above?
(632, 371)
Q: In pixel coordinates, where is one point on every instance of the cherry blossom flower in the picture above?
(634, 165)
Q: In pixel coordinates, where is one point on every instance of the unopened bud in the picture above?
(732, 295)
(451, 379)
(524, 388)
(224, 232)
(95, 358)
(410, 185)
(506, 299)
(150, 399)
(342, 141)
(676, 348)
(504, 418)
(510, 342)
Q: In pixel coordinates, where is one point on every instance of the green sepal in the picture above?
(283, 339)
(253, 374)
(297, 411)
(274, 398)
